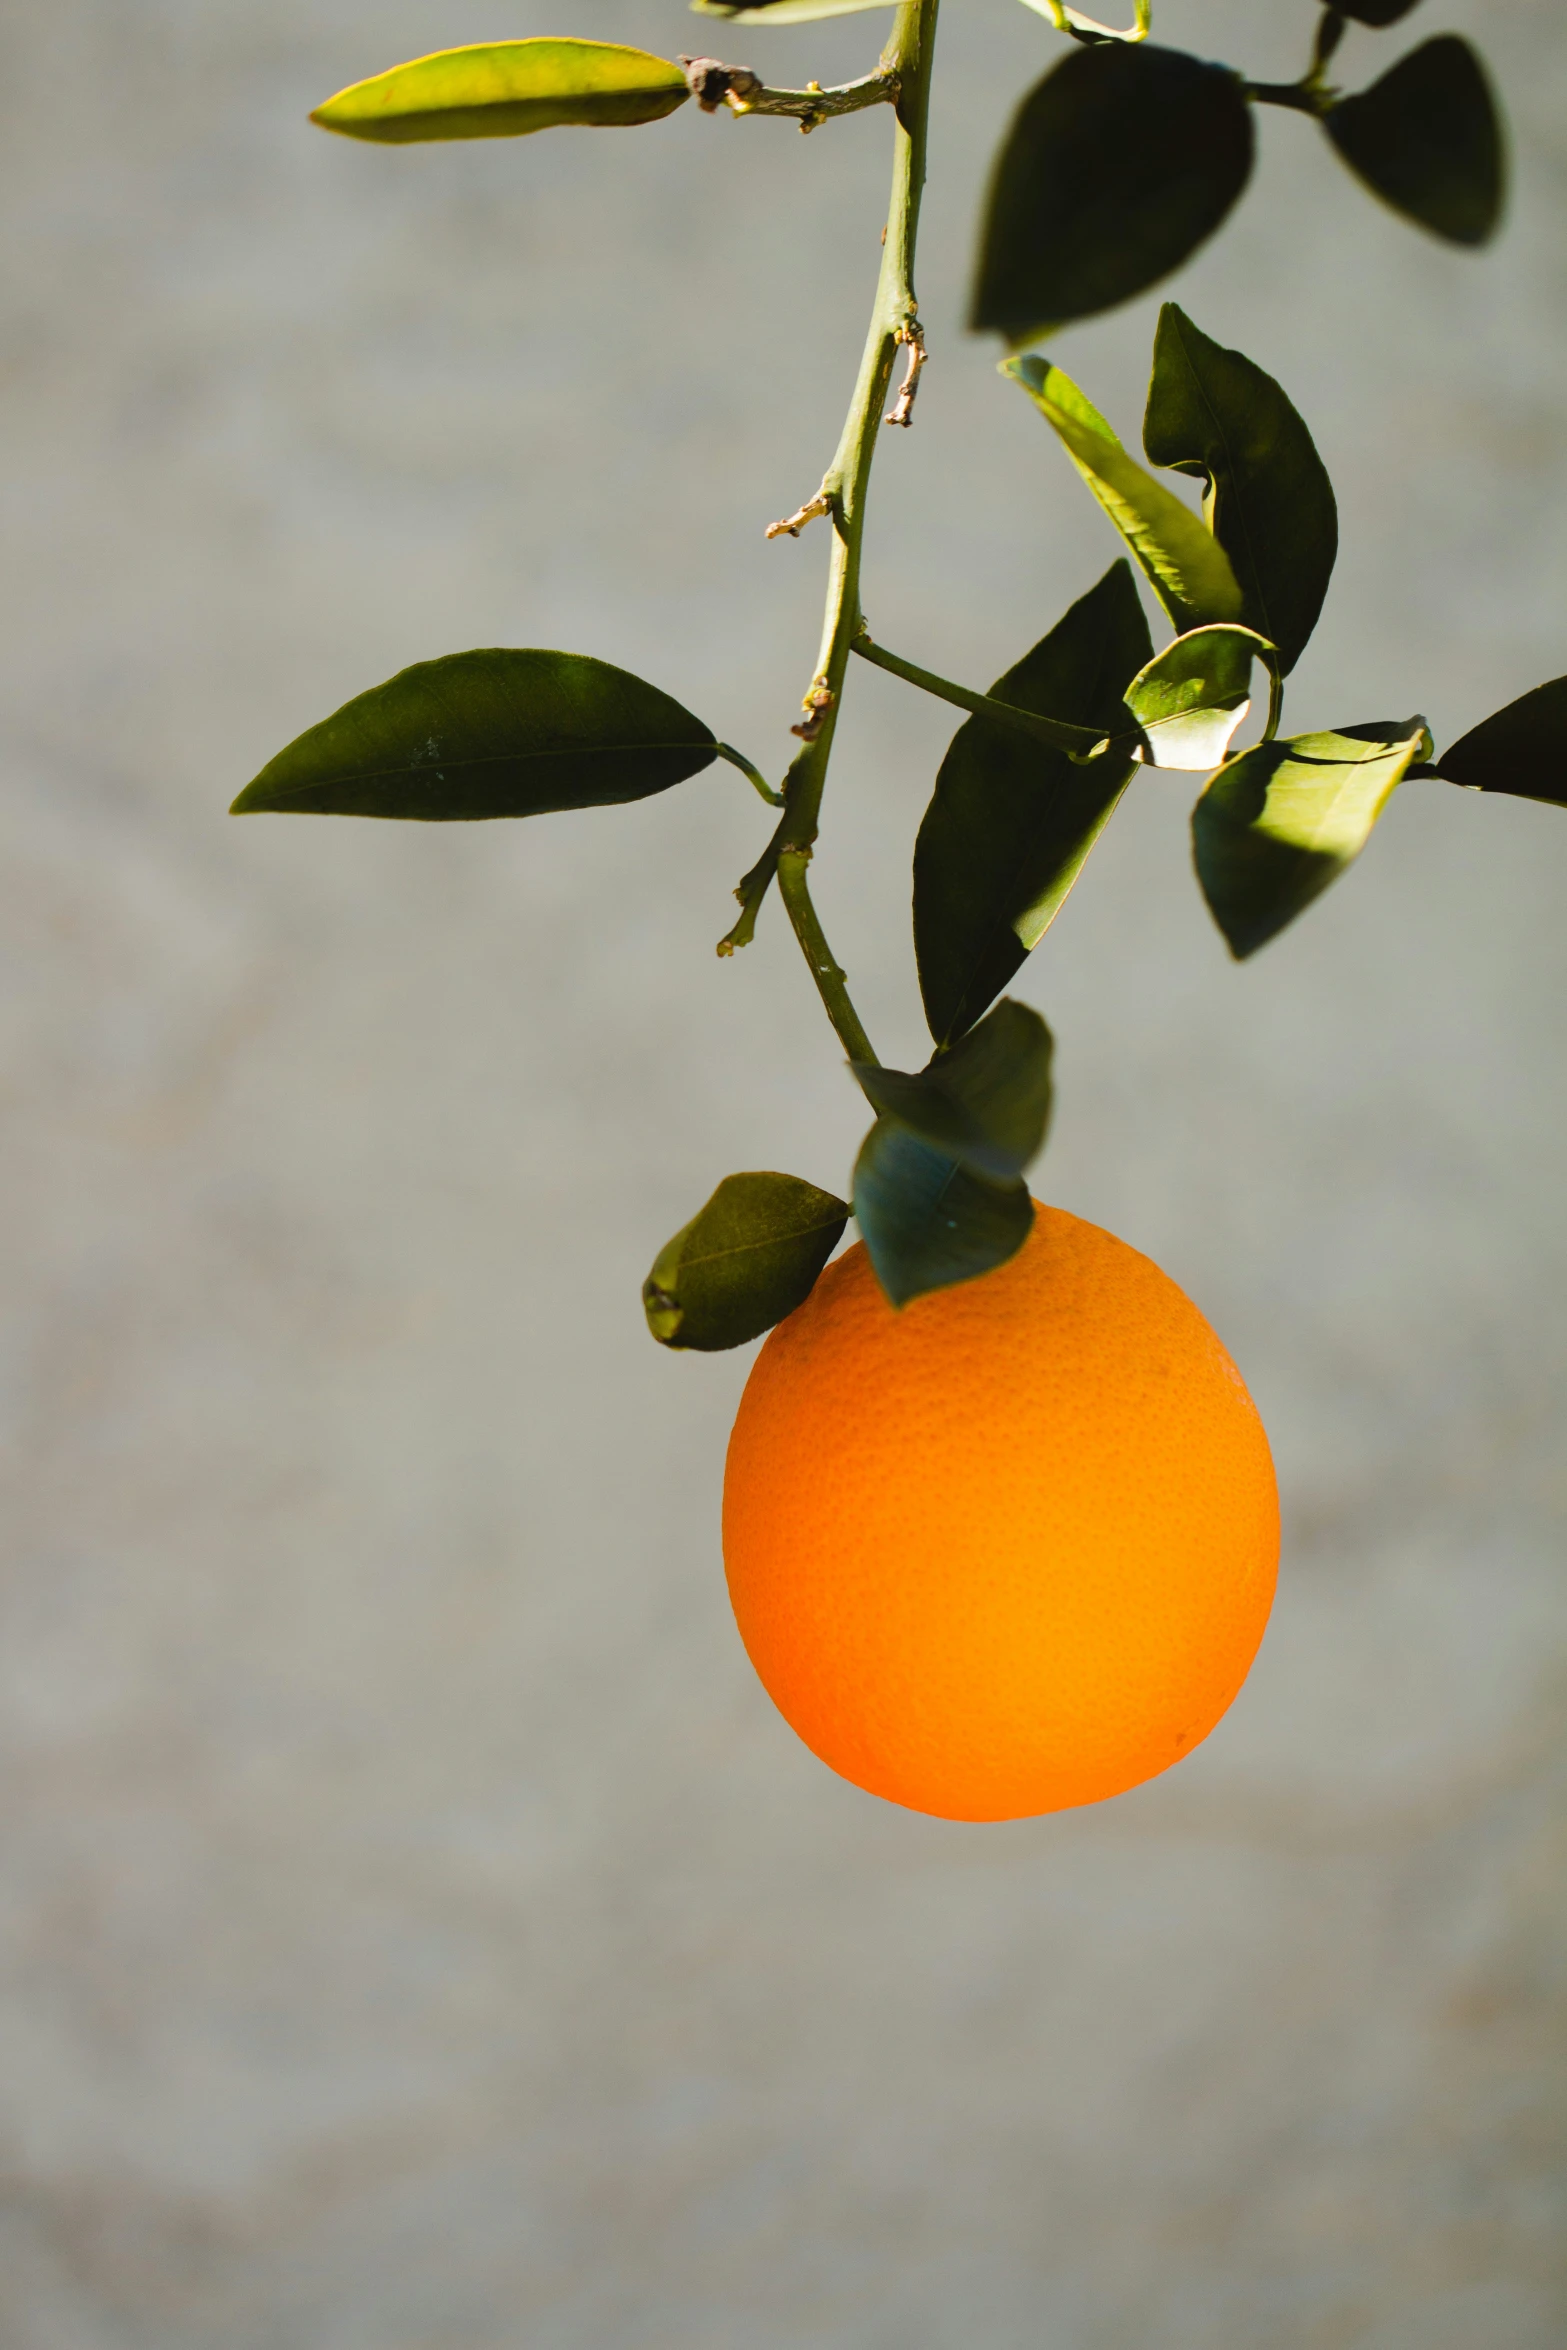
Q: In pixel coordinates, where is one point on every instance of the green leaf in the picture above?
(1268, 500)
(1190, 698)
(1116, 167)
(985, 1101)
(1522, 750)
(783, 11)
(1427, 139)
(1280, 823)
(1012, 822)
(1190, 571)
(487, 734)
(927, 1222)
(503, 89)
(749, 1258)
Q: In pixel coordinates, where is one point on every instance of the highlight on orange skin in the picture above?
(1011, 1548)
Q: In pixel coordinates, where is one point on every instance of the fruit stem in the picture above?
(826, 970)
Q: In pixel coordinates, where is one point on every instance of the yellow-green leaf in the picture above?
(504, 89)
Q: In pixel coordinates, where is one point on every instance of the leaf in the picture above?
(504, 89)
(985, 1101)
(783, 11)
(1011, 822)
(749, 1258)
(926, 1222)
(1268, 500)
(1190, 571)
(1376, 12)
(1427, 139)
(487, 734)
(1280, 823)
(1191, 697)
(1521, 750)
(1116, 167)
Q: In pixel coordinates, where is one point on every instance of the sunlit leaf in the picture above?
(1116, 167)
(1012, 821)
(985, 1101)
(926, 1222)
(1190, 571)
(749, 1258)
(1213, 413)
(1522, 750)
(1427, 138)
(503, 89)
(1191, 698)
(1280, 823)
(487, 734)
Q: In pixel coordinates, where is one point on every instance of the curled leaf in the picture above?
(1191, 698)
(985, 1101)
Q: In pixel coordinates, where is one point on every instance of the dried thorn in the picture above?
(711, 83)
(816, 705)
(912, 337)
(792, 526)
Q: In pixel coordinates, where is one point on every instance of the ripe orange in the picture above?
(1011, 1548)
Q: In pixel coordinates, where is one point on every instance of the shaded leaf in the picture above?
(749, 1258)
(1280, 823)
(1190, 698)
(1116, 167)
(926, 1222)
(1269, 503)
(1011, 822)
(1376, 12)
(1427, 138)
(985, 1101)
(504, 89)
(1521, 750)
(1190, 572)
(487, 734)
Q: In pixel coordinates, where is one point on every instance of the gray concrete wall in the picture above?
(417, 1932)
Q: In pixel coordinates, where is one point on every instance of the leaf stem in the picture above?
(826, 970)
(753, 775)
(1080, 741)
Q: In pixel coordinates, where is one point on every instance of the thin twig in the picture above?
(1079, 742)
(714, 84)
(913, 340)
(830, 977)
(792, 524)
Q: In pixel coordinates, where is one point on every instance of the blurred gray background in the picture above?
(417, 1931)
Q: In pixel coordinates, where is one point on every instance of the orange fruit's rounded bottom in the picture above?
(1012, 1548)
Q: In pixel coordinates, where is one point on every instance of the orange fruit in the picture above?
(1012, 1548)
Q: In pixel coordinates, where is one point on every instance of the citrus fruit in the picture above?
(1010, 1548)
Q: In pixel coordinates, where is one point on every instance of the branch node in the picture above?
(912, 340)
(793, 524)
(816, 705)
(711, 83)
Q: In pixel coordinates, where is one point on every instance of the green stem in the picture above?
(828, 973)
(1081, 741)
(894, 320)
(753, 775)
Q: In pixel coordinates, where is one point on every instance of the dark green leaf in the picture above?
(985, 1101)
(1376, 12)
(1521, 750)
(1190, 698)
(1189, 570)
(487, 734)
(750, 1257)
(1117, 166)
(1215, 414)
(503, 89)
(1012, 822)
(1427, 138)
(926, 1222)
(1273, 829)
